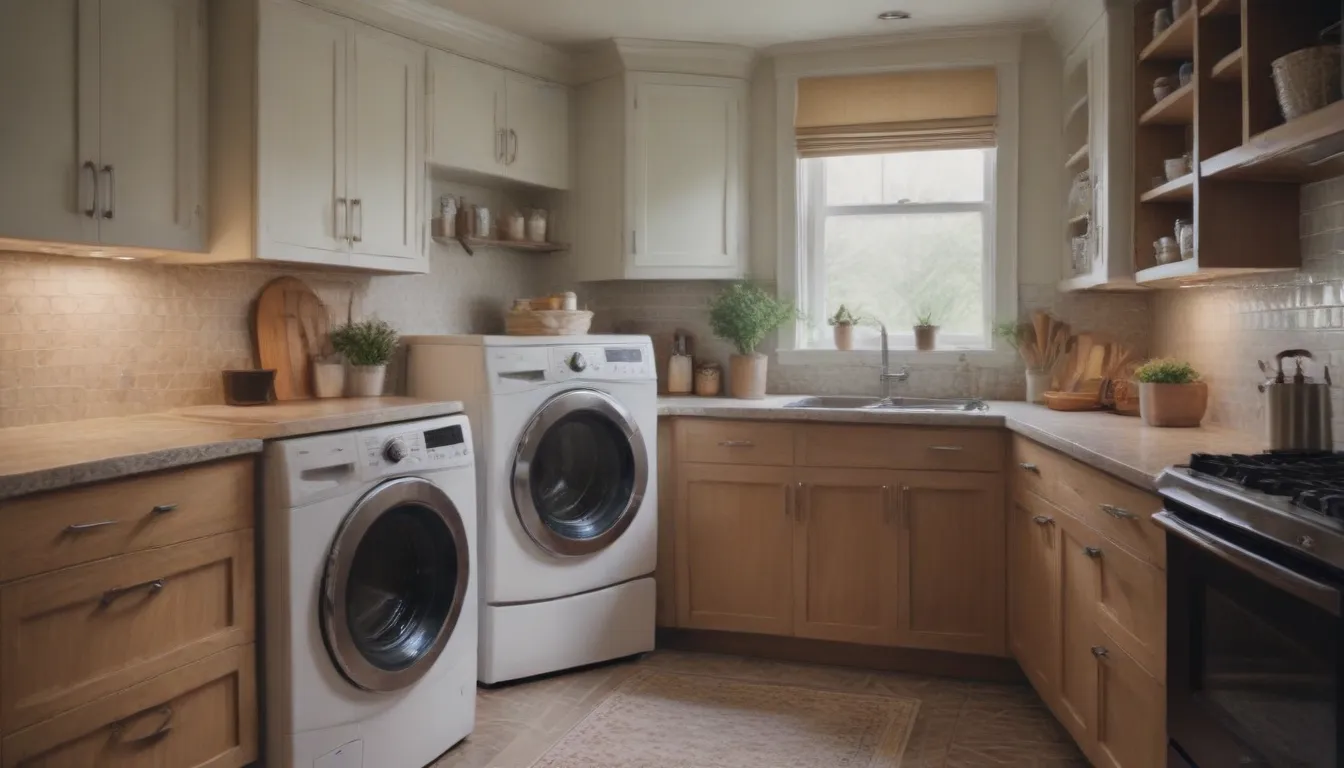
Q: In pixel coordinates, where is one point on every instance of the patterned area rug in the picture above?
(660, 719)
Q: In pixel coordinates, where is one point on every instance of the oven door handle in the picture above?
(1322, 596)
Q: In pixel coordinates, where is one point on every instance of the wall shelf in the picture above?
(1180, 190)
(1177, 42)
(1177, 109)
(1078, 158)
(470, 244)
(1228, 69)
(1222, 8)
(1306, 149)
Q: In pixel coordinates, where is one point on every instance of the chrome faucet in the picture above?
(887, 376)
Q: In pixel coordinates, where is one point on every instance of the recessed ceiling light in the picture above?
(893, 15)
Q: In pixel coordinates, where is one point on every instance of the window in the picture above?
(892, 236)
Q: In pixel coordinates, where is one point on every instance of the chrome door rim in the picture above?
(555, 409)
(336, 577)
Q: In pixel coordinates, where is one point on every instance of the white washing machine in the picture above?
(370, 595)
(567, 428)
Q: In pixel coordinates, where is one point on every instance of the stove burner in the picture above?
(1314, 481)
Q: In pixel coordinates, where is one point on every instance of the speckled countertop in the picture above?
(48, 457)
(1119, 445)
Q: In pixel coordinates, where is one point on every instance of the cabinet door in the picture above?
(49, 134)
(537, 119)
(845, 556)
(152, 162)
(1076, 702)
(685, 171)
(303, 213)
(952, 561)
(385, 156)
(1131, 713)
(734, 548)
(1033, 590)
(468, 104)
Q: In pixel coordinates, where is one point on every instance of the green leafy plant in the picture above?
(743, 313)
(367, 342)
(1013, 333)
(924, 316)
(1166, 371)
(843, 316)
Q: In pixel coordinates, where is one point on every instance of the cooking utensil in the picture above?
(1298, 413)
(290, 326)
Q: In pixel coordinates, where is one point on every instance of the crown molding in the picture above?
(921, 35)
(441, 28)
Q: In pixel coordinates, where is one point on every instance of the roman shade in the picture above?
(873, 114)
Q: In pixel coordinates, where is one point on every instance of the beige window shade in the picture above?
(867, 114)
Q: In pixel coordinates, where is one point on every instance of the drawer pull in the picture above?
(165, 725)
(1092, 552)
(1029, 467)
(905, 507)
(948, 448)
(1043, 520)
(801, 507)
(1118, 513)
(1100, 652)
(111, 595)
(81, 527)
(737, 444)
(163, 509)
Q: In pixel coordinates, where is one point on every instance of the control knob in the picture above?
(395, 450)
(576, 363)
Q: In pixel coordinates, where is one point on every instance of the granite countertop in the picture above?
(1118, 445)
(49, 457)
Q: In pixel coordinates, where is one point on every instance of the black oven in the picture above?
(1254, 653)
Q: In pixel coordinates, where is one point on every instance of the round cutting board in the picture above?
(290, 326)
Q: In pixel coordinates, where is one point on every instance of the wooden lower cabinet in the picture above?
(734, 550)
(1076, 693)
(846, 570)
(1131, 713)
(1033, 590)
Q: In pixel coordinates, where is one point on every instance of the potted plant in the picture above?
(1041, 344)
(743, 314)
(367, 346)
(1171, 394)
(926, 333)
(843, 321)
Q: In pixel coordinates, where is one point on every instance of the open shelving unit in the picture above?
(1242, 196)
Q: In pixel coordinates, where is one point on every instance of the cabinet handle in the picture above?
(634, 241)
(81, 527)
(513, 155)
(737, 444)
(1118, 512)
(949, 448)
(357, 213)
(165, 725)
(1100, 651)
(111, 209)
(499, 145)
(1043, 520)
(888, 511)
(802, 503)
(905, 507)
(92, 210)
(1029, 467)
(163, 509)
(152, 587)
(342, 217)
(1092, 552)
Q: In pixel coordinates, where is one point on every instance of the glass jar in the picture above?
(536, 226)
(1185, 238)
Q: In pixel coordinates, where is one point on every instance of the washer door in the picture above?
(580, 473)
(394, 585)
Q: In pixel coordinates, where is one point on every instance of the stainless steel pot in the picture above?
(1298, 413)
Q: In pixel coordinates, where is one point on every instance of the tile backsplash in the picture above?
(1224, 329)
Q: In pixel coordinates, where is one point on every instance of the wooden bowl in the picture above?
(1072, 401)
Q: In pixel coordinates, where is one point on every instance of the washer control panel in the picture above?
(416, 447)
(617, 362)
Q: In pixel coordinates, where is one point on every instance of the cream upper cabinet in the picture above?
(104, 142)
(317, 153)
(661, 178)
(498, 123)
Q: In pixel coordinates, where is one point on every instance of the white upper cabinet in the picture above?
(498, 123)
(104, 143)
(662, 178)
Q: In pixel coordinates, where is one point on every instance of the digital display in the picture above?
(624, 356)
(444, 436)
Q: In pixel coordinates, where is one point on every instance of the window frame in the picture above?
(813, 217)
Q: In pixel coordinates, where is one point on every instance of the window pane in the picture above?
(951, 176)
(892, 266)
(854, 180)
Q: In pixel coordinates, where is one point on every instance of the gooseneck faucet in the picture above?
(887, 376)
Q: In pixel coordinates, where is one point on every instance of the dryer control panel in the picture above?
(415, 447)
(611, 363)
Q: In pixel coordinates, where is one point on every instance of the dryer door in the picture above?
(580, 473)
(394, 584)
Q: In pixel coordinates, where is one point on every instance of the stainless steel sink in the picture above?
(966, 405)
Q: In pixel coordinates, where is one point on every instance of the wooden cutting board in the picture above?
(290, 326)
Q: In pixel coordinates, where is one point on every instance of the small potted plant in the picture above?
(843, 321)
(926, 333)
(743, 314)
(367, 346)
(1171, 394)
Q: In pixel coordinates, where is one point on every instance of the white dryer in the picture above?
(568, 501)
(370, 595)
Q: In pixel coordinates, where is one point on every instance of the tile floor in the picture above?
(961, 724)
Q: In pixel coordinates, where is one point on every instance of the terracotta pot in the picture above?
(926, 337)
(1173, 405)
(366, 380)
(746, 376)
(844, 337)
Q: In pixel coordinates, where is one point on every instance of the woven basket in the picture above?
(547, 322)
(1307, 80)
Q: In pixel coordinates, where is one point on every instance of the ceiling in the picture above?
(755, 23)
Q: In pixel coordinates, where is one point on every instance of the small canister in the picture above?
(1298, 414)
(537, 224)
(708, 379)
(515, 227)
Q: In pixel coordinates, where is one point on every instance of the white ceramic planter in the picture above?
(1038, 383)
(365, 380)
(328, 379)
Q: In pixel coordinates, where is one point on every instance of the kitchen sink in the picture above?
(893, 404)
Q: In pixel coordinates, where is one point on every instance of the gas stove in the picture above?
(1313, 481)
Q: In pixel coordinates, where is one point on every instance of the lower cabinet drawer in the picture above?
(734, 442)
(202, 714)
(75, 635)
(885, 447)
(1132, 607)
